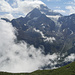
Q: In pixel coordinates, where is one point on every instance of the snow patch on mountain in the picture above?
(35, 18)
(71, 32)
(54, 17)
(48, 39)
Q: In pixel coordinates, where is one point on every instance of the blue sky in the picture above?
(16, 8)
(68, 6)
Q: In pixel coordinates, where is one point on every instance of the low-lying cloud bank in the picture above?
(20, 57)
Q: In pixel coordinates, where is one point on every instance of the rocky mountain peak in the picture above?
(34, 13)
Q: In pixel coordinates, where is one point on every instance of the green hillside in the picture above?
(66, 70)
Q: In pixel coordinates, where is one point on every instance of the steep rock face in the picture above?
(68, 24)
(68, 31)
(19, 23)
(34, 13)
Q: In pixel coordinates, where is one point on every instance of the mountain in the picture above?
(51, 31)
(35, 29)
(65, 70)
(7, 20)
(68, 24)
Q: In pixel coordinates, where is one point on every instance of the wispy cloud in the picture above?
(71, 9)
(5, 6)
(60, 11)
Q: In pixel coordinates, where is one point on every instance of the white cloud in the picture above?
(71, 9)
(27, 5)
(19, 6)
(70, 58)
(14, 4)
(60, 11)
(20, 57)
(5, 7)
